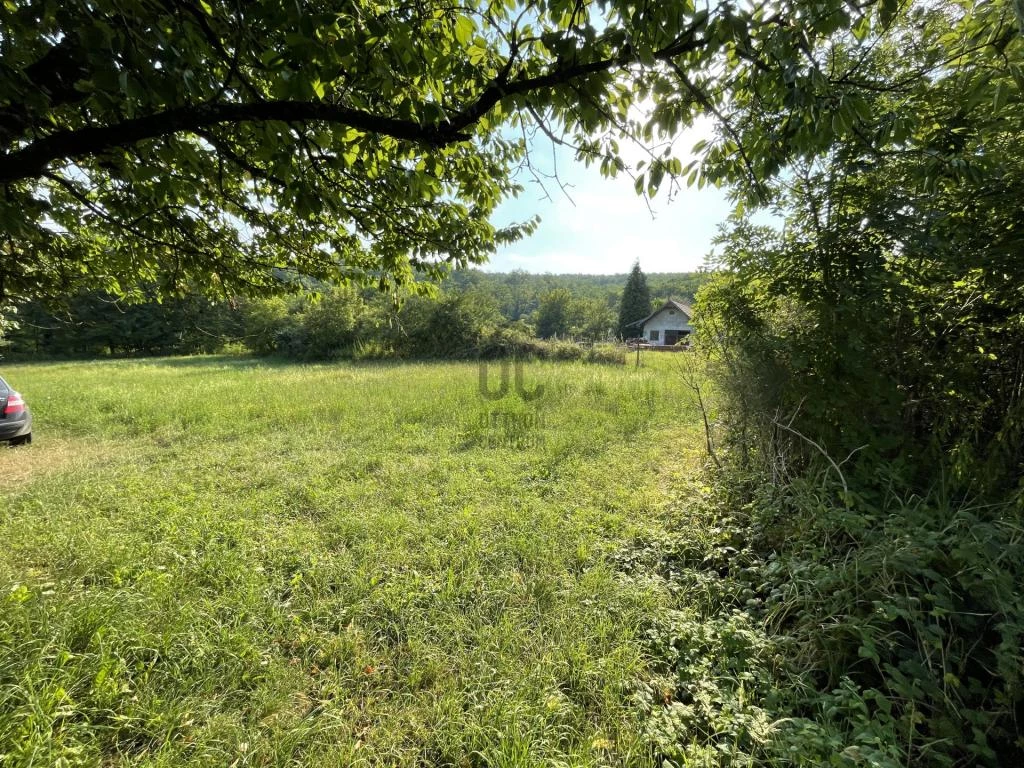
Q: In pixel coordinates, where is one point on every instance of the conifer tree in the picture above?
(635, 303)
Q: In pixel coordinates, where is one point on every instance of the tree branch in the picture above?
(33, 159)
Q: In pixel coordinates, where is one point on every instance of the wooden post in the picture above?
(638, 354)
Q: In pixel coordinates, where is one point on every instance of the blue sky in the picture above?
(599, 225)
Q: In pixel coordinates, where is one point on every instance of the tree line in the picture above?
(473, 313)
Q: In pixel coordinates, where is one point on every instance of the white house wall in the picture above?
(663, 321)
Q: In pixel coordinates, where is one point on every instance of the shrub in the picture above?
(372, 349)
(264, 320)
(328, 325)
(613, 354)
(883, 630)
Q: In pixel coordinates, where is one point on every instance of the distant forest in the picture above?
(474, 312)
(519, 293)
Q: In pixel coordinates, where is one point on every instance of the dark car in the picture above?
(15, 418)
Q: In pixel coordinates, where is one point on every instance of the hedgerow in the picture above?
(882, 630)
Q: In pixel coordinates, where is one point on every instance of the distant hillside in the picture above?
(518, 293)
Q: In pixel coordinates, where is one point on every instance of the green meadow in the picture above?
(216, 561)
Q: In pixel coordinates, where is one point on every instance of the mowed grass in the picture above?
(212, 561)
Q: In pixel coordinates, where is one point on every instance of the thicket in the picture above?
(861, 578)
(335, 322)
(453, 325)
(474, 314)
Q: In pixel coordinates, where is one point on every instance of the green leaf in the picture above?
(464, 30)
(1001, 96)
(477, 54)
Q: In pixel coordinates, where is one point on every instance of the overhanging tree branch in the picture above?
(33, 159)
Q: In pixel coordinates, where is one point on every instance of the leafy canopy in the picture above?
(220, 144)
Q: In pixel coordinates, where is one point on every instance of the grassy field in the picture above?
(213, 561)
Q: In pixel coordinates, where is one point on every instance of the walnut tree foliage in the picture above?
(223, 145)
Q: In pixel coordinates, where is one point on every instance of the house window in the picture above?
(654, 335)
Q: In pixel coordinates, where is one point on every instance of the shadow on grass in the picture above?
(212, 361)
(191, 361)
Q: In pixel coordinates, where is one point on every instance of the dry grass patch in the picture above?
(24, 464)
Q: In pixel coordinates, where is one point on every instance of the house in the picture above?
(668, 325)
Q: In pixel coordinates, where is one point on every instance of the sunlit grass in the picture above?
(212, 561)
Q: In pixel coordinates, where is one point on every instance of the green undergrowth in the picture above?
(886, 631)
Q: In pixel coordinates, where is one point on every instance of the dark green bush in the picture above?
(869, 367)
(885, 631)
(92, 324)
(453, 325)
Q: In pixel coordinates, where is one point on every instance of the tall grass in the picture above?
(216, 562)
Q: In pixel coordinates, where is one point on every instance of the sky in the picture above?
(600, 226)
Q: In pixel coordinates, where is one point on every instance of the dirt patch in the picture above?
(44, 457)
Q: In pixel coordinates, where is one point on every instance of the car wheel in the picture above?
(23, 440)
